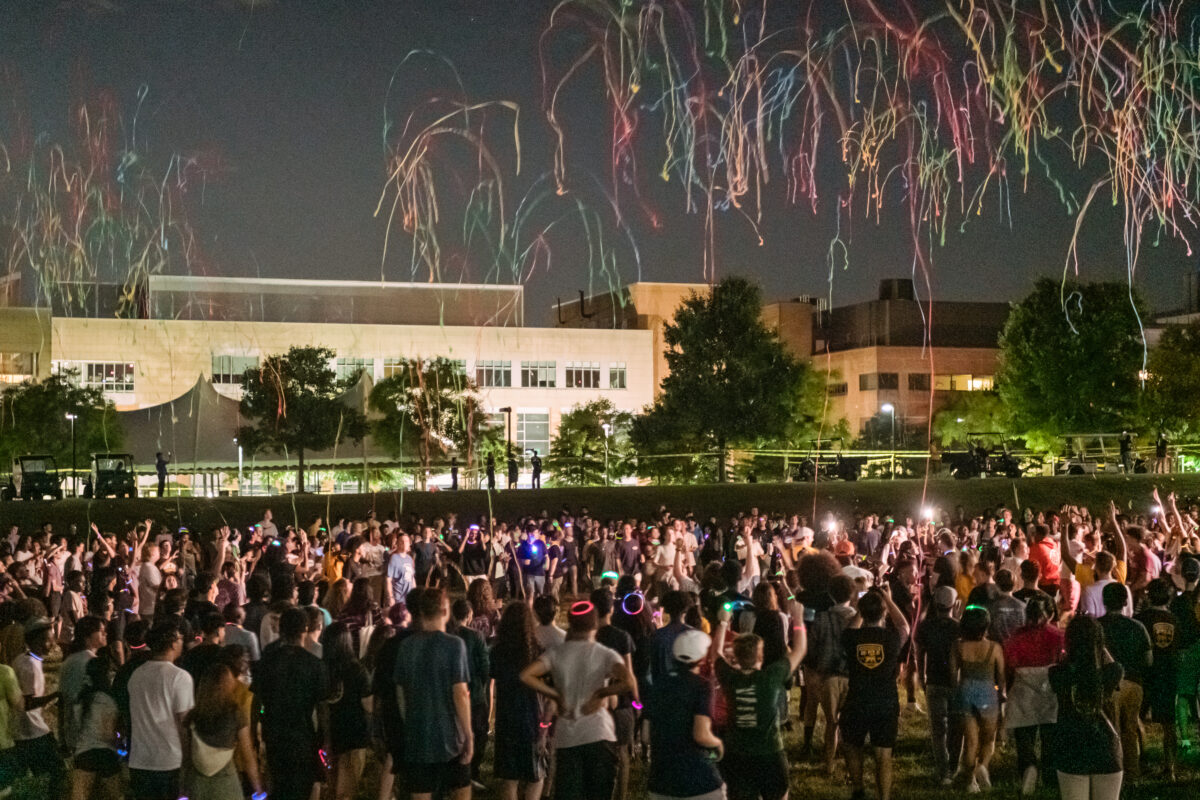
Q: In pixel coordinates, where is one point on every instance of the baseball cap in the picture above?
(691, 646)
(945, 597)
(844, 548)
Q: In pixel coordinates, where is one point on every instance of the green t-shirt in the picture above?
(8, 687)
(752, 699)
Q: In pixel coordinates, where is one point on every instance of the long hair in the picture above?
(481, 598)
(515, 640)
(360, 602)
(338, 653)
(99, 681)
(215, 701)
(336, 597)
(1084, 659)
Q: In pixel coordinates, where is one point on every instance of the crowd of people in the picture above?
(547, 655)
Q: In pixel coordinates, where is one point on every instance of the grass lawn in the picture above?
(896, 497)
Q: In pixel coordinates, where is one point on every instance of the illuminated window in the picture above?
(107, 376)
(348, 368)
(617, 377)
(964, 383)
(493, 373)
(533, 432)
(393, 366)
(918, 381)
(582, 375)
(229, 369)
(16, 367)
(538, 374)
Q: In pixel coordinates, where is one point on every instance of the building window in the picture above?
(964, 383)
(868, 382)
(889, 380)
(229, 369)
(617, 378)
(349, 368)
(393, 366)
(918, 381)
(16, 367)
(107, 376)
(493, 373)
(582, 375)
(537, 374)
(533, 431)
(878, 380)
(838, 389)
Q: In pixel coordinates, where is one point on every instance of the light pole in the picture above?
(74, 478)
(607, 430)
(890, 410)
(508, 410)
(239, 447)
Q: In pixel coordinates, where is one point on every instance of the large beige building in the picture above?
(217, 328)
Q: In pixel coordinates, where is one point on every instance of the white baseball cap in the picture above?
(691, 646)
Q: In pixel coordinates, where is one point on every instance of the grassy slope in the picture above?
(895, 497)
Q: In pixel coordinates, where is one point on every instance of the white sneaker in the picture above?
(1029, 780)
(981, 777)
(948, 780)
(972, 787)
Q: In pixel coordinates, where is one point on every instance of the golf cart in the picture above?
(33, 478)
(112, 476)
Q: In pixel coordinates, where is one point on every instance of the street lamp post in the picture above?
(508, 410)
(890, 410)
(607, 430)
(74, 477)
(239, 447)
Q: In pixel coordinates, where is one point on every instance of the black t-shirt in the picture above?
(616, 639)
(197, 660)
(474, 558)
(983, 595)
(1128, 643)
(1024, 594)
(348, 728)
(424, 557)
(872, 655)
(628, 553)
(533, 551)
(935, 638)
(383, 686)
(1187, 631)
(1162, 626)
(290, 682)
(554, 556)
(678, 766)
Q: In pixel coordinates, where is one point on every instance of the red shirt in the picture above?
(1045, 554)
(1034, 647)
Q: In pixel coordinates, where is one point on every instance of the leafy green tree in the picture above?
(577, 453)
(1069, 360)
(809, 428)
(970, 412)
(293, 401)
(1172, 396)
(730, 379)
(429, 407)
(666, 452)
(33, 420)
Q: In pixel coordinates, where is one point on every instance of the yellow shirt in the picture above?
(963, 584)
(1085, 575)
(332, 568)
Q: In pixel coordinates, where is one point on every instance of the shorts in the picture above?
(1187, 670)
(749, 776)
(436, 779)
(624, 722)
(11, 767)
(102, 761)
(877, 724)
(147, 784)
(54, 604)
(1160, 699)
(978, 697)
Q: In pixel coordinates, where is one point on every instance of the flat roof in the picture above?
(221, 283)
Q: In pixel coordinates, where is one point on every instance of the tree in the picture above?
(427, 406)
(1069, 360)
(970, 412)
(1172, 397)
(577, 453)
(33, 420)
(294, 402)
(730, 378)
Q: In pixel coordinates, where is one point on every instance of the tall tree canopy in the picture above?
(430, 407)
(293, 401)
(578, 453)
(33, 420)
(1070, 355)
(730, 380)
(1172, 397)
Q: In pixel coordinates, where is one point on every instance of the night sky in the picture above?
(286, 103)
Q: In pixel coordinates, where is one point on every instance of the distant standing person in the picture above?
(536, 463)
(513, 472)
(453, 474)
(160, 467)
(491, 472)
(1160, 454)
(1126, 452)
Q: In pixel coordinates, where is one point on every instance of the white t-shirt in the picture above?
(149, 582)
(549, 636)
(579, 668)
(158, 693)
(1091, 600)
(31, 679)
